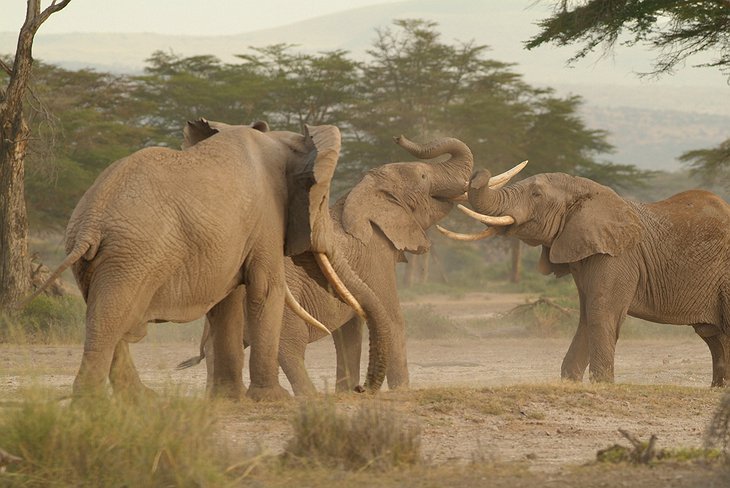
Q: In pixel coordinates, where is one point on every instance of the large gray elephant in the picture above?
(384, 216)
(666, 262)
(168, 235)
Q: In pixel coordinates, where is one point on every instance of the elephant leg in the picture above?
(123, 375)
(110, 314)
(577, 358)
(292, 349)
(264, 315)
(226, 329)
(397, 372)
(718, 343)
(348, 345)
(602, 339)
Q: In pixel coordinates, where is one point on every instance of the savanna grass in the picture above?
(374, 437)
(45, 320)
(166, 441)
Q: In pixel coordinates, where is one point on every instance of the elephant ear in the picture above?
(368, 204)
(199, 130)
(600, 222)
(544, 266)
(309, 226)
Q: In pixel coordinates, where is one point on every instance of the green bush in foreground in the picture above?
(46, 320)
(105, 442)
(374, 437)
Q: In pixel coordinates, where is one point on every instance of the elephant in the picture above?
(382, 217)
(666, 261)
(172, 235)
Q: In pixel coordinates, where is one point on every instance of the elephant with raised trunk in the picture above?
(384, 216)
(666, 262)
(168, 235)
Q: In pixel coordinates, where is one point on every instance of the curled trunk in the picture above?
(455, 171)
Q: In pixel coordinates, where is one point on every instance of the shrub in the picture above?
(374, 437)
(45, 320)
(106, 442)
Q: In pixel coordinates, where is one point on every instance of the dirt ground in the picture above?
(662, 389)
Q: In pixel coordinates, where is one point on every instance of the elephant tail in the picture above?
(80, 249)
(189, 363)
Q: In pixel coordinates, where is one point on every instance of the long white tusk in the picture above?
(487, 219)
(293, 304)
(496, 182)
(490, 231)
(329, 273)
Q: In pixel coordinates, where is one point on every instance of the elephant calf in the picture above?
(666, 262)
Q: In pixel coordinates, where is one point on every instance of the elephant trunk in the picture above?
(379, 324)
(454, 172)
(484, 199)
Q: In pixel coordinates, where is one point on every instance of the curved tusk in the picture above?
(487, 219)
(498, 181)
(489, 232)
(292, 303)
(329, 273)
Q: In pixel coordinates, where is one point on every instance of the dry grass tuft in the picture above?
(718, 432)
(374, 437)
(169, 441)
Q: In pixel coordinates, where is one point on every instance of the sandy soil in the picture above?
(546, 434)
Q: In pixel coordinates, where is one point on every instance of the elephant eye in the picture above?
(536, 193)
(423, 176)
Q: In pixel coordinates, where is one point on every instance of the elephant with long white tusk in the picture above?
(168, 235)
(664, 261)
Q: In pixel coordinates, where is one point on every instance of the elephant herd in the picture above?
(237, 227)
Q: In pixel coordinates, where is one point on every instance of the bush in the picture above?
(46, 320)
(373, 438)
(105, 442)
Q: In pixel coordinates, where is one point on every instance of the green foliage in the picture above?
(677, 28)
(46, 320)
(712, 166)
(374, 437)
(166, 441)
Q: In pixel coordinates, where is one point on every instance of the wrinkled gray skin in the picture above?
(167, 235)
(666, 262)
(385, 215)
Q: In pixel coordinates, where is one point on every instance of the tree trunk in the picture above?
(14, 133)
(14, 258)
(516, 251)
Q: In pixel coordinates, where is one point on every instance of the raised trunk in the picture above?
(14, 258)
(455, 171)
(379, 323)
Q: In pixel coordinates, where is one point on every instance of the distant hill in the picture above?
(651, 122)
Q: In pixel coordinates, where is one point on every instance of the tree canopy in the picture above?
(412, 83)
(678, 29)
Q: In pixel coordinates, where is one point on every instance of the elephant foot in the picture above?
(135, 394)
(267, 394)
(228, 392)
(720, 383)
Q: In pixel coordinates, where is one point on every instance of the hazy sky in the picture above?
(191, 17)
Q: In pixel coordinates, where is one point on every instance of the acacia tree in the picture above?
(678, 29)
(14, 138)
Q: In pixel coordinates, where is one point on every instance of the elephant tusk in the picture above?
(489, 232)
(295, 307)
(487, 219)
(329, 273)
(496, 182)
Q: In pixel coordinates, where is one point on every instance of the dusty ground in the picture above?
(494, 398)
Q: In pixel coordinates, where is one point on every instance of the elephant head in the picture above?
(571, 217)
(404, 199)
